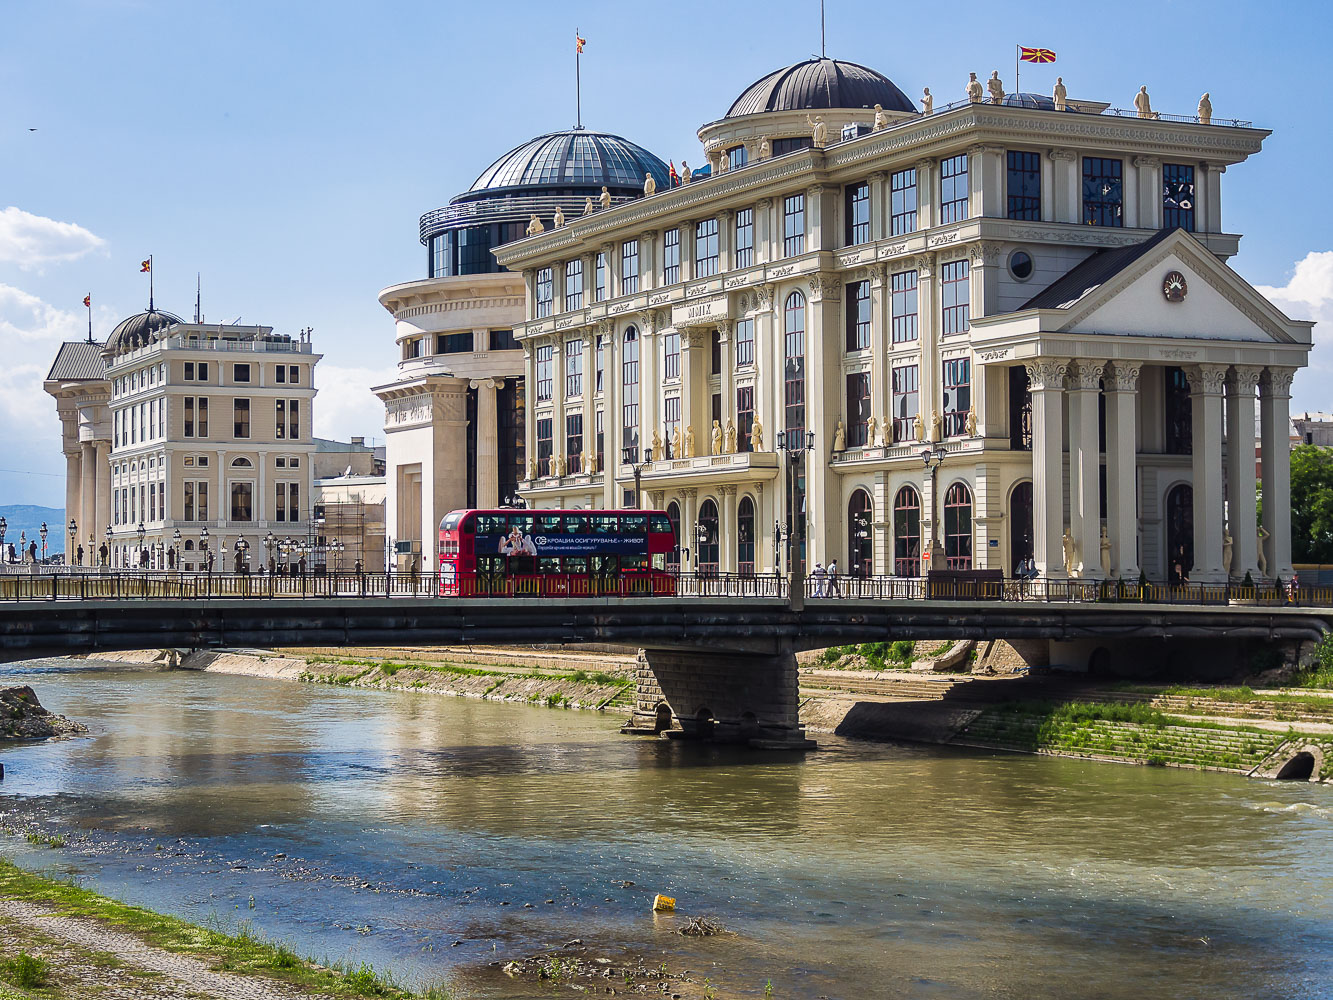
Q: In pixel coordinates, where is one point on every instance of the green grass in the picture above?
(26, 971)
(878, 655)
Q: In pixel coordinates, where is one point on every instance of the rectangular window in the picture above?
(1103, 191)
(1024, 191)
(744, 343)
(203, 371)
(956, 297)
(601, 439)
(671, 256)
(573, 285)
(629, 388)
(203, 418)
(503, 340)
(280, 502)
(957, 395)
(573, 442)
(544, 446)
(545, 372)
(189, 371)
(281, 419)
(240, 418)
(715, 353)
(858, 316)
(573, 367)
(858, 408)
(671, 354)
(793, 225)
(953, 189)
(744, 237)
(629, 267)
(294, 419)
(240, 373)
(671, 424)
(903, 307)
(599, 278)
(599, 356)
(294, 501)
(705, 248)
(201, 492)
(293, 375)
(906, 402)
(280, 374)
(1178, 196)
(744, 416)
(242, 507)
(189, 500)
(545, 291)
(454, 343)
(857, 199)
(189, 416)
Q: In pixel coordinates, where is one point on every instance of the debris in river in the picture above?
(703, 927)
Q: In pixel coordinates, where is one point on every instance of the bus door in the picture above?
(605, 575)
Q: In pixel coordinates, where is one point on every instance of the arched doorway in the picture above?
(860, 545)
(958, 527)
(907, 532)
(1179, 534)
(707, 540)
(1021, 546)
(745, 537)
(673, 557)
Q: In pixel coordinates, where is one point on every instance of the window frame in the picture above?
(743, 248)
(629, 267)
(955, 297)
(573, 284)
(1024, 167)
(955, 189)
(857, 316)
(671, 256)
(544, 290)
(856, 213)
(1103, 210)
(707, 256)
(793, 225)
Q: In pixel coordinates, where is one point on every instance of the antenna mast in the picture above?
(198, 289)
(823, 52)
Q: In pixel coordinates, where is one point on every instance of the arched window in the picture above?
(1179, 534)
(629, 370)
(707, 539)
(793, 382)
(860, 545)
(1021, 544)
(958, 527)
(241, 463)
(673, 515)
(907, 532)
(745, 537)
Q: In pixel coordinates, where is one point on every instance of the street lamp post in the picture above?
(4, 526)
(791, 444)
(139, 532)
(203, 548)
(176, 548)
(932, 459)
(270, 540)
(42, 531)
(638, 468)
(109, 535)
(73, 534)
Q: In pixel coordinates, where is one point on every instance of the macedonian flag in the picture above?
(88, 301)
(1036, 55)
(146, 266)
(579, 43)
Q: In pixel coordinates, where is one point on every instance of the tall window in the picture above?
(1024, 194)
(599, 278)
(293, 419)
(858, 408)
(573, 285)
(574, 441)
(202, 426)
(671, 256)
(715, 352)
(1020, 409)
(671, 354)
(739, 156)
(791, 144)
(744, 343)
(281, 422)
(1179, 413)
(745, 537)
(671, 420)
(705, 248)
(857, 199)
(1178, 196)
(957, 395)
(573, 368)
(545, 372)
(1103, 191)
(906, 401)
(629, 267)
(907, 532)
(600, 438)
(630, 403)
(903, 307)
(858, 315)
(599, 361)
(956, 296)
(545, 285)
(744, 237)
(958, 527)
(544, 446)
(793, 225)
(189, 419)
(240, 415)
(953, 189)
(242, 502)
(744, 416)
(793, 380)
(903, 190)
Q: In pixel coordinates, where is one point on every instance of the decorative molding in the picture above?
(1065, 155)
(1206, 380)
(1046, 373)
(1086, 376)
(1123, 376)
(1276, 382)
(924, 264)
(1151, 162)
(763, 296)
(825, 286)
(1244, 379)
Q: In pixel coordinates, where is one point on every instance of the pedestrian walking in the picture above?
(79, 555)
(820, 575)
(833, 589)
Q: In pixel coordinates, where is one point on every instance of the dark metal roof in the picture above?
(1038, 102)
(139, 330)
(1089, 274)
(578, 158)
(77, 361)
(820, 83)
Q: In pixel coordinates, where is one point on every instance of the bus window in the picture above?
(604, 565)
(576, 524)
(548, 565)
(660, 522)
(549, 524)
(659, 560)
(523, 522)
(575, 564)
(490, 524)
(468, 525)
(605, 524)
(633, 524)
(633, 563)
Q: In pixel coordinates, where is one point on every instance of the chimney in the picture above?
(359, 442)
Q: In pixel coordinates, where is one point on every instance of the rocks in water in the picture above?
(23, 718)
(703, 927)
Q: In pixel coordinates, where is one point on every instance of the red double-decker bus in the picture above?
(554, 553)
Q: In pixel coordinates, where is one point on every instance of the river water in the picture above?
(413, 821)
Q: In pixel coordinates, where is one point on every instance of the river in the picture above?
(410, 822)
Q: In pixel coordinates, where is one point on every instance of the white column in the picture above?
(1046, 377)
(1067, 189)
(90, 481)
(1241, 516)
(768, 348)
(727, 377)
(880, 320)
(1122, 469)
(589, 399)
(1275, 445)
(727, 530)
(488, 470)
(1085, 520)
(101, 474)
(1206, 402)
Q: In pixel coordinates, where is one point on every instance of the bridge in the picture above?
(721, 655)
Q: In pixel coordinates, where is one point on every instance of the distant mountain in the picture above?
(21, 517)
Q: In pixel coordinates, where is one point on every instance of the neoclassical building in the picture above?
(1004, 328)
(454, 416)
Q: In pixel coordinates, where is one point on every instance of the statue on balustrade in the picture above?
(881, 119)
(1228, 547)
(927, 102)
(559, 217)
(686, 174)
(715, 439)
(757, 436)
(1106, 553)
(1261, 536)
(1205, 110)
(731, 437)
(936, 427)
(839, 438)
(560, 467)
(535, 226)
(689, 440)
(587, 205)
(919, 427)
(765, 148)
(657, 446)
(1060, 93)
(820, 130)
(723, 162)
(649, 185)
(1143, 105)
(995, 87)
(676, 442)
(972, 422)
(605, 197)
(1070, 554)
(975, 91)
(872, 432)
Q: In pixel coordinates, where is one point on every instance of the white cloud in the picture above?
(345, 406)
(1309, 295)
(26, 318)
(33, 240)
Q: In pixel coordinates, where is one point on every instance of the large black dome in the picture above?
(818, 84)
(575, 158)
(139, 330)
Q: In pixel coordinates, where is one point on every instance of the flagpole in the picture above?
(1018, 57)
(90, 319)
(150, 282)
(578, 84)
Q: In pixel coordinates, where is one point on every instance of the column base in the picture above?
(1208, 577)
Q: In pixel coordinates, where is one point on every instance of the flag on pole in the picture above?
(672, 175)
(1036, 55)
(88, 301)
(579, 42)
(146, 266)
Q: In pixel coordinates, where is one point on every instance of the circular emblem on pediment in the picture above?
(1174, 287)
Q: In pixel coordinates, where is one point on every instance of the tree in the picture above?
(1312, 504)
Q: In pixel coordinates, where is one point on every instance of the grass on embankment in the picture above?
(242, 953)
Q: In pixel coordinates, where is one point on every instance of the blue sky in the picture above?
(284, 150)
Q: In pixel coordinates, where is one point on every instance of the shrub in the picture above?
(26, 971)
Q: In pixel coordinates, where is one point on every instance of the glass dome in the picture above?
(578, 158)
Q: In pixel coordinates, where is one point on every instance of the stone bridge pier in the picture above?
(725, 695)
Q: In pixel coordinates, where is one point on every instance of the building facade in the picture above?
(77, 381)
(454, 416)
(991, 333)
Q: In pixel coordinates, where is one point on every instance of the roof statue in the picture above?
(1059, 95)
(820, 130)
(1142, 104)
(765, 148)
(605, 197)
(1205, 110)
(649, 185)
(685, 172)
(559, 219)
(881, 119)
(587, 205)
(723, 162)
(757, 436)
(927, 102)
(974, 90)
(872, 431)
(995, 87)
(535, 226)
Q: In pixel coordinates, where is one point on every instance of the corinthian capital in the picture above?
(1277, 381)
(1123, 376)
(1243, 379)
(1086, 375)
(1206, 380)
(1047, 373)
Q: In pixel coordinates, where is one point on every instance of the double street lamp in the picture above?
(42, 531)
(175, 548)
(794, 444)
(203, 548)
(638, 468)
(109, 535)
(932, 459)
